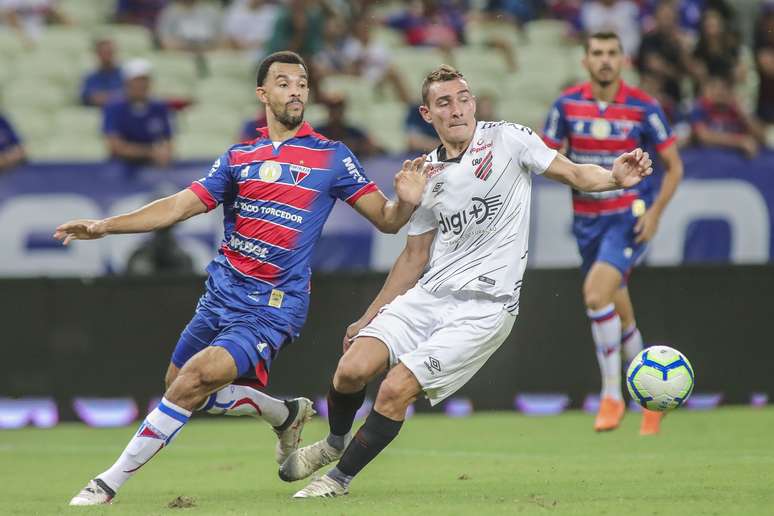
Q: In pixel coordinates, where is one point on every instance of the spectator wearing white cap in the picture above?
(138, 128)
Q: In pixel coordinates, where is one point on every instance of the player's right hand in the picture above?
(349, 336)
(81, 229)
(410, 182)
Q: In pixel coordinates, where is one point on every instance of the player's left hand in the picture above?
(646, 226)
(631, 167)
(82, 229)
(411, 180)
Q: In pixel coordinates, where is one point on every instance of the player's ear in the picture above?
(425, 113)
(260, 94)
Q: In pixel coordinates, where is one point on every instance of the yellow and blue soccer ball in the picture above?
(660, 378)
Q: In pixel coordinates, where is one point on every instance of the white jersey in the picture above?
(480, 205)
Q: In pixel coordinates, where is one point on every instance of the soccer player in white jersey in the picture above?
(452, 296)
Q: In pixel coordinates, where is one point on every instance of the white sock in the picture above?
(631, 342)
(157, 431)
(241, 400)
(606, 330)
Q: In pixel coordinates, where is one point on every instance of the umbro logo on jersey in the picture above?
(438, 187)
(432, 364)
(484, 168)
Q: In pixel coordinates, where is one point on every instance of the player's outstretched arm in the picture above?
(405, 273)
(628, 170)
(389, 216)
(156, 215)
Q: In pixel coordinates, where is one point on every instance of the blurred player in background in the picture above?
(452, 296)
(593, 123)
(277, 192)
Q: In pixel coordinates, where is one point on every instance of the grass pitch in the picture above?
(719, 462)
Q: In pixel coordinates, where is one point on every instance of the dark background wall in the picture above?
(114, 336)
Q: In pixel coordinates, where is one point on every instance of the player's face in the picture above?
(285, 92)
(451, 108)
(604, 60)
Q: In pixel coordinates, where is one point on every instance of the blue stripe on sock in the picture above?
(171, 413)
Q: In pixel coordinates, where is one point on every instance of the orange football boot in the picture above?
(651, 422)
(610, 413)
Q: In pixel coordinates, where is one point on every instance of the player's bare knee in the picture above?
(593, 298)
(397, 390)
(351, 373)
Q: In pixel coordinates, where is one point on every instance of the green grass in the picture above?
(719, 462)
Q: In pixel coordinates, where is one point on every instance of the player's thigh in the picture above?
(619, 247)
(366, 358)
(601, 284)
(458, 350)
(196, 336)
(206, 372)
(588, 232)
(253, 343)
(406, 322)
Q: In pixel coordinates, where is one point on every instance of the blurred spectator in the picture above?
(360, 55)
(420, 136)
(433, 23)
(139, 12)
(764, 63)
(518, 12)
(248, 24)
(663, 54)
(250, 127)
(717, 50)
(106, 82)
(718, 121)
(189, 25)
(29, 17)
(300, 26)
(619, 16)
(568, 11)
(486, 107)
(337, 128)
(160, 254)
(11, 148)
(138, 128)
(653, 84)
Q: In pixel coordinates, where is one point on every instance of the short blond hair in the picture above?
(441, 74)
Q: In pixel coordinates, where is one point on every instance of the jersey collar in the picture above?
(620, 95)
(304, 130)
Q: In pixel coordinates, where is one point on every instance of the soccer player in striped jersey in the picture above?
(452, 296)
(276, 192)
(594, 122)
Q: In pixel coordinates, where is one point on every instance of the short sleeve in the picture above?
(656, 128)
(527, 149)
(555, 129)
(350, 182)
(213, 187)
(422, 221)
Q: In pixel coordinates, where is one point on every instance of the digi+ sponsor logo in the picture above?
(480, 210)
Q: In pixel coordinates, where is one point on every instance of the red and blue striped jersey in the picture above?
(276, 200)
(598, 132)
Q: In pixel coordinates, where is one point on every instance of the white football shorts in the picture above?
(443, 340)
